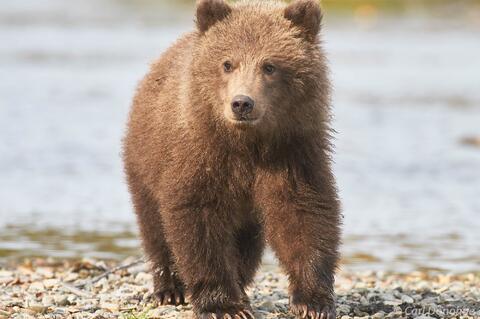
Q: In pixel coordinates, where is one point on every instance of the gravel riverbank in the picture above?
(96, 289)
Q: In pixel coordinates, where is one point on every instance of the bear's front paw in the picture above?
(313, 310)
(173, 297)
(168, 288)
(234, 314)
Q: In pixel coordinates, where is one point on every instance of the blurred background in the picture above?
(406, 75)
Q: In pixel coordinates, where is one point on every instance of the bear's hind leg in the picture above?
(168, 288)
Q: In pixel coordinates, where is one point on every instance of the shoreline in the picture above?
(52, 288)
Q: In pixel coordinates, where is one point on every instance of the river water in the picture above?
(407, 92)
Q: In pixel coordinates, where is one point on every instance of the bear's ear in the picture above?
(307, 15)
(210, 12)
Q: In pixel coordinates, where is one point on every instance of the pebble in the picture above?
(44, 272)
(37, 308)
(6, 280)
(142, 277)
(61, 300)
(36, 286)
(71, 277)
(407, 299)
(267, 305)
(109, 306)
(70, 295)
(364, 301)
(71, 299)
(345, 309)
(155, 313)
(101, 283)
(393, 302)
(359, 313)
(50, 283)
(47, 301)
(6, 273)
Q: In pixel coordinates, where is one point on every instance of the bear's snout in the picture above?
(242, 105)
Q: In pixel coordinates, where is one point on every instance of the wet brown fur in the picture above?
(206, 193)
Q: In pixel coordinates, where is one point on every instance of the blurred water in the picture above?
(407, 90)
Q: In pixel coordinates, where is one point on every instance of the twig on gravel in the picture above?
(108, 272)
(76, 291)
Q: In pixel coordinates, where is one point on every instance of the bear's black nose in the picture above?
(242, 105)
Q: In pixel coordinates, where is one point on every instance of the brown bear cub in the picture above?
(228, 147)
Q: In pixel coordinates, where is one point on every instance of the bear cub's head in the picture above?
(258, 64)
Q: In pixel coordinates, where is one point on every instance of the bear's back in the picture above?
(155, 124)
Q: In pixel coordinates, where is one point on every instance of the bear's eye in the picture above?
(269, 69)
(227, 66)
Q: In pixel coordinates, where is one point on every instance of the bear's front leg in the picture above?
(302, 227)
(201, 237)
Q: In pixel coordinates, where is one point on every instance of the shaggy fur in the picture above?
(208, 188)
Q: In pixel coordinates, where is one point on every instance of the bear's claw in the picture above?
(241, 314)
(171, 297)
(305, 311)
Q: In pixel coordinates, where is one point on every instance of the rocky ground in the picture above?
(96, 289)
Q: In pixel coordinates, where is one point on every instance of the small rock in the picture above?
(359, 313)
(457, 287)
(73, 309)
(36, 287)
(47, 301)
(50, 283)
(60, 311)
(155, 314)
(6, 280)
(356, 296)
(407, 299)
(45, 272)
(393, 302)
(364, 301)
(61, 300)
(389, 296)
(143, 277)
(379, 315)
(6, 273)
(102, 283)
(109, 306)
(4, 314)
(345, 309)
(114, 277)
(267, 305)
(71, 277)
(37, 308)
(14, 302)
(72, 299)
